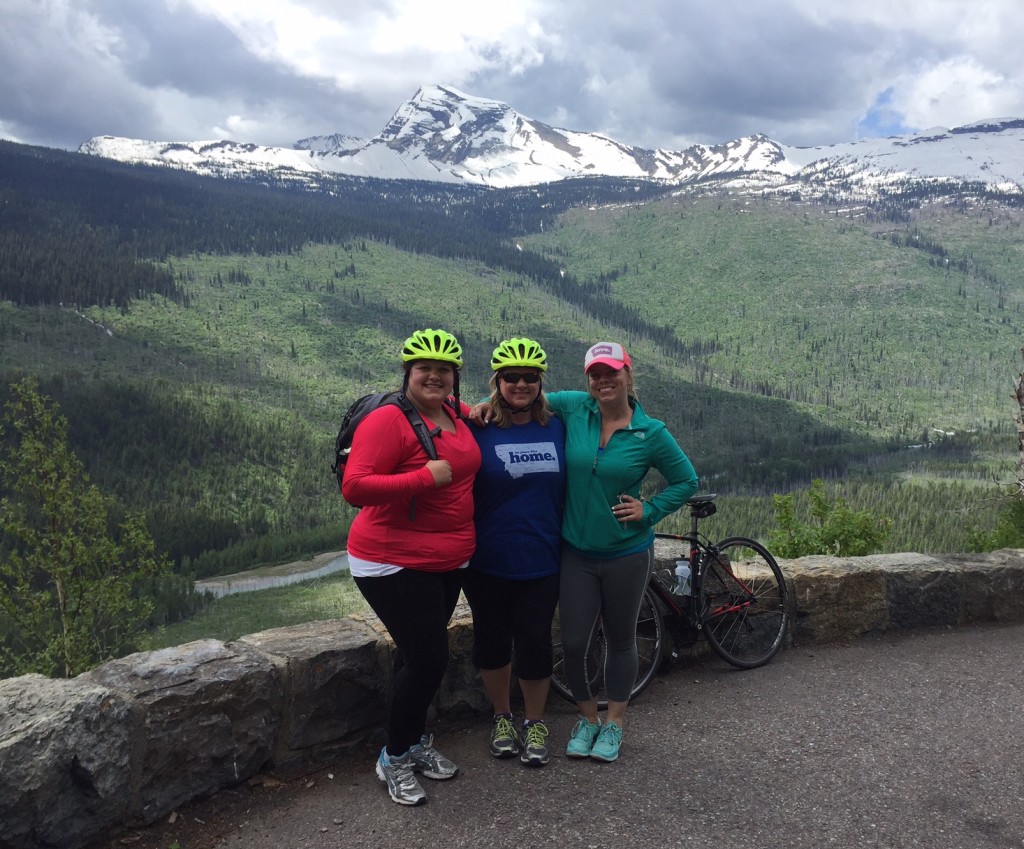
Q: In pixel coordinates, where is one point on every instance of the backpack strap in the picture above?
(425, 434)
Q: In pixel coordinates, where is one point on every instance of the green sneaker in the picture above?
(606, 746)
(505, 741)
(581, 741)
(535, 748)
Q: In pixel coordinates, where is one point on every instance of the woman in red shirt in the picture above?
(408, 544)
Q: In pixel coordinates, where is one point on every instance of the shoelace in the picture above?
(583, 728)
(536, 734)
(404, 774)
(400, 770)
(504, 728)
(425, 750)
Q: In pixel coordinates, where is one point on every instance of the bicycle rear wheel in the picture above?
(744, 602)
(650, 643)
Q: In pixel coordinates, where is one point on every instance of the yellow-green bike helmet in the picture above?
(432, 345)
(519, 352)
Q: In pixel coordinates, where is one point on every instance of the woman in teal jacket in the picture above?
(608, 528)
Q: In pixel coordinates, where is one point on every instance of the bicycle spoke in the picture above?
(744, 603)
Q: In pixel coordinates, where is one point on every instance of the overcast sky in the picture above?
(654, 73)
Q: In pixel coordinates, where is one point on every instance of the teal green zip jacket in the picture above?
(596, 478)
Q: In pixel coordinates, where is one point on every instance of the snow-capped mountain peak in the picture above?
(334, 143)
(443, 134)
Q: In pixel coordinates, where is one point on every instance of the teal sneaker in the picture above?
(606, 746)
(582, 738)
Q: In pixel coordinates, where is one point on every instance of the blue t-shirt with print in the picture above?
(519, 494)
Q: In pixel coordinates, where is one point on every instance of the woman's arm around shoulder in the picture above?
(565, 401)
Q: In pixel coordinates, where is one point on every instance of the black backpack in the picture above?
(359, 410)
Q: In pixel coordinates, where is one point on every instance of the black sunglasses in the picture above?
(515, 377)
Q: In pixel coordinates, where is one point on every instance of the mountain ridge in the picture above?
(444, 135)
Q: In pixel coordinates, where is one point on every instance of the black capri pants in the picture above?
(509, 613)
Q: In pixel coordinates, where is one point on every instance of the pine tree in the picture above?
(70, 577)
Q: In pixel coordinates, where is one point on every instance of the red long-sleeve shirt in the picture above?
(405, 520)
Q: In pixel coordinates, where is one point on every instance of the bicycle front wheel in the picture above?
(650, 646)
(744, 602)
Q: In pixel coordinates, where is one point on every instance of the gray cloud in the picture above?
(657, 73)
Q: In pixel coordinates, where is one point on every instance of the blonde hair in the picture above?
(540, 412)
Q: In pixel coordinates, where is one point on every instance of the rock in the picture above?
(840, 598)
(993, 585)
(461, 692)
(335, 678)
(205, 716)
(65, 761)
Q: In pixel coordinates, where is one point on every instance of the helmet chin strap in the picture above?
(507, 406)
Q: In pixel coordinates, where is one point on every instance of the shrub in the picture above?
(833, 528)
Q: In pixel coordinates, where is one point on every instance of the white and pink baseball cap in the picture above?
(608, 353)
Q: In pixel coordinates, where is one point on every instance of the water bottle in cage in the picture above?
(682, 585)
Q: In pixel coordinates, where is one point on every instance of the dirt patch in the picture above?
(209, 822)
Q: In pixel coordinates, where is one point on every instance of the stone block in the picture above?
(65, 752)
(924, 593)
(461, 692)
(334, 675)
(206, 716)
(993, 585)
(835, 598)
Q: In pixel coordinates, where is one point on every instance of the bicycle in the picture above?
(738, 601)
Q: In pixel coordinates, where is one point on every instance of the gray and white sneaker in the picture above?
(535, 747)
(505, 742)
(398, 774)
(429, 761)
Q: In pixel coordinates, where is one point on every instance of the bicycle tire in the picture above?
(650, 644)
(744, 603)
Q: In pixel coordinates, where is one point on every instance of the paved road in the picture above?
(914, 741)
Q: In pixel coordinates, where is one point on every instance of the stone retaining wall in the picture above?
(130, 741)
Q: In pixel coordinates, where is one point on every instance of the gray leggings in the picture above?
(611, 590)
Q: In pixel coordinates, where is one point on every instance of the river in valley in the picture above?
(276, 576)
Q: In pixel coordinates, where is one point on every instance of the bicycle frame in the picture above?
(688, 612)
(685, 608)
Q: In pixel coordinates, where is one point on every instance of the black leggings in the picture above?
(415, 607)
(507, 613)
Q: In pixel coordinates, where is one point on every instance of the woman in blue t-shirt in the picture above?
(513, 578)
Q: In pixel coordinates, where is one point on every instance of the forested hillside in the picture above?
(203, 337)
(907, 326)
